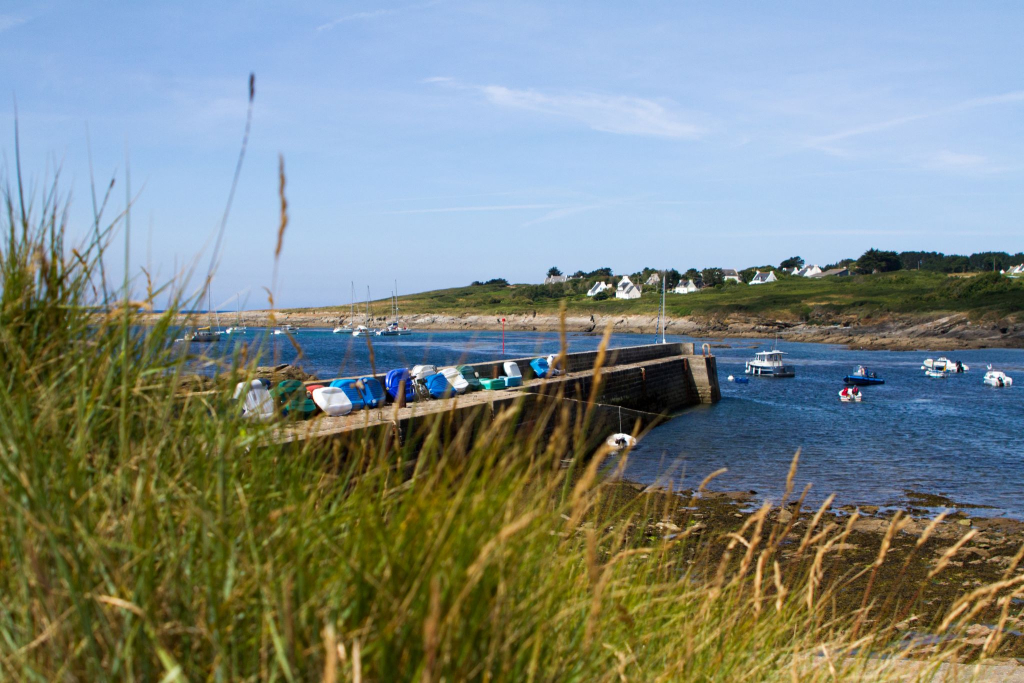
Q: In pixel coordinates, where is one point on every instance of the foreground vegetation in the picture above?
(154, 536)
(791, 298)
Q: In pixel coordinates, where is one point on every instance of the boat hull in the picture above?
(780, 371)
(862, 381)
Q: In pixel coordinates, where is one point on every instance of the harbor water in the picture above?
(954, 437)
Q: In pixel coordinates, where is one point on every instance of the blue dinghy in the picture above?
(373, 392)
(352, 391)
(862, 378)
(439, 386)
(393, 380)
(540, 367)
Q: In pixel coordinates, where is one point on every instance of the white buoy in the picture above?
(731, 378)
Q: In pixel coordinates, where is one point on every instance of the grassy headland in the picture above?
(791, 298)
(899, 310)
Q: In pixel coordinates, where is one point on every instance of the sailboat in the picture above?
(394, 329)
(363, 330)
(238, 327)
(204, 334)
(345, 329)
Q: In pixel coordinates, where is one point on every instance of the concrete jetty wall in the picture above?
(639, 383)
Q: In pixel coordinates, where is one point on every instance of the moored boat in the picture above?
(202, 335)
(851, 394)
(769, 364)
(861, 377)
(935, 374)
(944, 364)
(997, 378)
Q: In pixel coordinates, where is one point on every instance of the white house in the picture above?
(807, 271)
(626, 289)
(730, 274)
(762, 278)
(837, 272)
(1016, 271)
(686, 287)
(555, 279)
(654, 280)
(598, 287)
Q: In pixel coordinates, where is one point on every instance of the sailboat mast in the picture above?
(664, 277)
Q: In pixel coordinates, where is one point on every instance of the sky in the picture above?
(439, 142)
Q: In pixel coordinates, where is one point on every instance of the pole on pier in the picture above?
(503, 337)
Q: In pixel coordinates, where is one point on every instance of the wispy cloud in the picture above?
(500, 207)
(619, 114)
(825, 142)
(563, 212)
(957, 162)
(9, 21)
(374, 14)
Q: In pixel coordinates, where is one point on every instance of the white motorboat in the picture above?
(851, 395)
(342, 330)
(769, 364)
(996, 378)
(944, 364)
(362, 331)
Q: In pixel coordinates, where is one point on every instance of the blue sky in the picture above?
(445, 141)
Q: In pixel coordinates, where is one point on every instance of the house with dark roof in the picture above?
(763, 278)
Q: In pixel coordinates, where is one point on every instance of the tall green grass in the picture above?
(151, 536)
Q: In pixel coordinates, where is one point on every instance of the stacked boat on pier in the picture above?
(292, 398)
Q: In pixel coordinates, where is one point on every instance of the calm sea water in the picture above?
(954, 436)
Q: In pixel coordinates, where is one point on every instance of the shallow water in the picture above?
(954, 436)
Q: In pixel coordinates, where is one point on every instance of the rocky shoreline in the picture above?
(926, 564)
(940, 333)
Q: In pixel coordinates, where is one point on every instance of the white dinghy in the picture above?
(257, 403)
(455, 378)
(333, 401)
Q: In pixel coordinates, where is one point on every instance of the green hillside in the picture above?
(983, 295)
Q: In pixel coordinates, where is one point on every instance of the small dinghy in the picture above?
(493, 383)
(456, 379)
(540, 367)
(513, 377)
(372, 391)
(862, 378)
(332, 401)
(438, 386)
(995, 378)
(352, 391)
(742, 380)
(620, 441)
(935, 374)
(851, 395)
(400, 380)
(471, 376)
(257, 403)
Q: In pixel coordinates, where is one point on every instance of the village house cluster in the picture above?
(625, 288)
